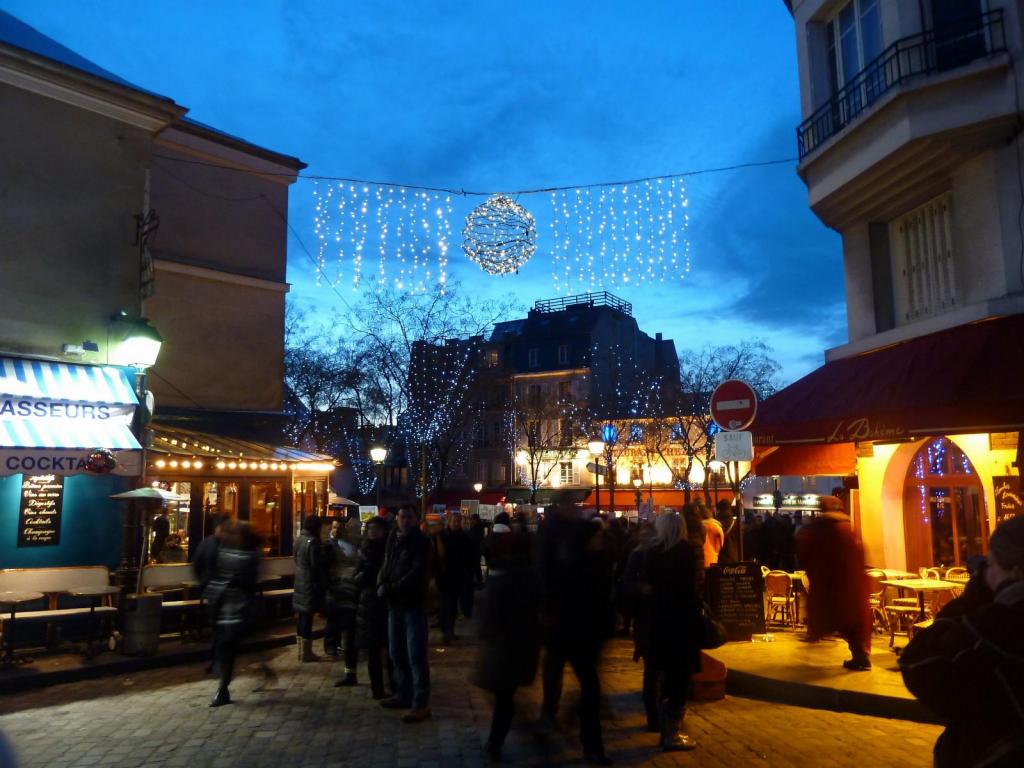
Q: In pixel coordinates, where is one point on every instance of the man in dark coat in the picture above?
(403, 582)
(230, 593)
(451, 564)
(476, 538)
(509, 632)
(968, 666)
(340, 557)
(310, 584)
(576, 613)
(372, 611)
(161, 530)
(837, 600)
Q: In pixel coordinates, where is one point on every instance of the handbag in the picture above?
(712, 630)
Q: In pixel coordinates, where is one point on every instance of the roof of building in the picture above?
(17, 34)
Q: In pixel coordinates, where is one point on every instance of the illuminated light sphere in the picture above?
(500, 236)
(174, 464)
(221, 464)
(232, 465)
(186, 464)
(197, 465)
(243, 465)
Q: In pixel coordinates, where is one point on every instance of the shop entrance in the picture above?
(944, 517)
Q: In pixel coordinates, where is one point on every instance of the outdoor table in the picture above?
(920, 586)
(12, 600)
(95, 594)
(891, 573)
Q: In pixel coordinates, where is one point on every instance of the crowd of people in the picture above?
(555, 592)
(562, 588)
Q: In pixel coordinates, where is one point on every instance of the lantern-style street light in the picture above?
(378, 454)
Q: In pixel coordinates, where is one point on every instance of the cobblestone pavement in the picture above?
(161, 718)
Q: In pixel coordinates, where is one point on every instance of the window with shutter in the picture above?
(923, 262)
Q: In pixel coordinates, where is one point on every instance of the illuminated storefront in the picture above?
(272, 487)
(929, 446)
(66, 445)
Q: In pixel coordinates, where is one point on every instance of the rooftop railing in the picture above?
(600, 299)
(929, 52)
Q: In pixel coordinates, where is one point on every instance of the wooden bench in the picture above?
(57, 606)
(168, 579)
(277, 569)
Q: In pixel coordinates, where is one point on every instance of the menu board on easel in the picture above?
(42, 501)
(736, 593)
(1009, 499)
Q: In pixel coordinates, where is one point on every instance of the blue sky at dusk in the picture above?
(503, 96)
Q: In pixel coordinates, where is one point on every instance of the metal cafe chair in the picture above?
(876, 599)
(960, 575)
(778, 588)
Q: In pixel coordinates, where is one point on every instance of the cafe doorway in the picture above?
(944, 518)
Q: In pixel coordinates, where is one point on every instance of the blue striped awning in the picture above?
(65, 433)
(40, 379)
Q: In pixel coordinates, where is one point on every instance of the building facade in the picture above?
(551, 380)
(909, 147)
(101, 225)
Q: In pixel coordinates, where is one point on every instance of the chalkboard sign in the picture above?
(736, 594)
(42, 499)
(1009, 499)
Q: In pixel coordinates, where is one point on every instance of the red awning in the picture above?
(837, 459)
(961, 380)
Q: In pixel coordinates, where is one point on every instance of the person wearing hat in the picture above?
(968, 666)
(837, 600)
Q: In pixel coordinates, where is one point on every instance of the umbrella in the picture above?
(149, 494)
(342, 501)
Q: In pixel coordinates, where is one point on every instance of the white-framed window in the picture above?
(567, 473)
(923, 261)
(563, 354)
(533, 357)
(853, 39)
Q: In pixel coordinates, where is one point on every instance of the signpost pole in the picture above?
(737, 501)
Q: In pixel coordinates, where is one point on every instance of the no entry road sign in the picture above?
(733, 405)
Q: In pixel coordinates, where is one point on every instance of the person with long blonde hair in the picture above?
(660, 579)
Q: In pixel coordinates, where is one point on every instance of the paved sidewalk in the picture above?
(160, 718)
(794, 671)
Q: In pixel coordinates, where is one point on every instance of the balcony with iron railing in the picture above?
(925, 53)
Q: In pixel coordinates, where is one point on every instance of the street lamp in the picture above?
(378, 454)
(716, 466)
(138, 346)
(610, 433)
(637, 482)
(478, 487)
(596, 448)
